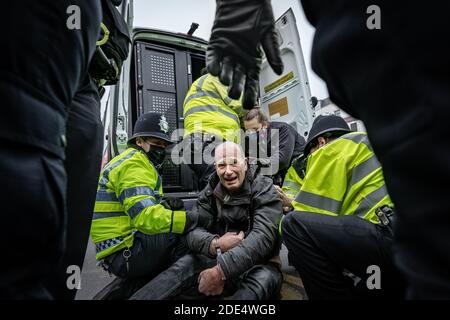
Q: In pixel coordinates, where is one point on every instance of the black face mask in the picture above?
(156, 155)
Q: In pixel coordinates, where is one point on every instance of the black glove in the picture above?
(195, 219)
(234, 55)
(172, 203)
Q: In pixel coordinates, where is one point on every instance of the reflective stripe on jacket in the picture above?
(344, 177)
(208, 109)
(292, 183)
(128, 196)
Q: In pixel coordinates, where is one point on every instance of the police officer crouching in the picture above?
(136, 231)
(339, 235)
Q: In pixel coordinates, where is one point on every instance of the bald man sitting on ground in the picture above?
(233, 252)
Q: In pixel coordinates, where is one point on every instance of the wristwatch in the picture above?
(218, 252)
(214, 246)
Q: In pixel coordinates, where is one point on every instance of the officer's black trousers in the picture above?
(400, 87)
(261, 282)
(322, 247)
(83, 161)
(149, 255)
(33, 219)
(201, 158)
(46, 49)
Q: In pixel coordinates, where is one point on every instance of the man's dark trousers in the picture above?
(261, 282)
(322, 247)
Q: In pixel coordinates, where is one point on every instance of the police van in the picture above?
(158, 73)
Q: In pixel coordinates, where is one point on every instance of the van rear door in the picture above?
(287, 98)
(155, 78)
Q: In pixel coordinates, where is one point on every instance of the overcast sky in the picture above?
(177, 16)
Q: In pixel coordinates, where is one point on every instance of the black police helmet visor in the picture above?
(324, 124)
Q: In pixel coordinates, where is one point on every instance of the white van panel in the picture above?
(287, 98)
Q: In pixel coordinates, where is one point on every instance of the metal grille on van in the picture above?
(165, 105)
(160, 96)
(163, 75)
(162, 70)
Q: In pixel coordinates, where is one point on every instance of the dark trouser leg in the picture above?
(203, 172)
(261, 282)
(150, 255)
(33, 220)
(322, 247)
(83, 160)
(38, 81)
(179, 277)
(404, 104)
(422, 229)
(198, 163)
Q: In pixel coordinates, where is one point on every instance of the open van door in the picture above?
(115, 100)
(287, 98)
(156, 76)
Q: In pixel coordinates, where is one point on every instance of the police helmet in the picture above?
(323, 124)
(151, 124)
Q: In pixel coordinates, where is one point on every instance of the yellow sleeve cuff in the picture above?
(179, 221)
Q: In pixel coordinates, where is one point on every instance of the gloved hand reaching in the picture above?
(176, 204)
(195, 219)
(173, 203)
(233, 54)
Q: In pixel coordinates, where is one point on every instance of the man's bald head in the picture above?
(229, 148)
(230, 165)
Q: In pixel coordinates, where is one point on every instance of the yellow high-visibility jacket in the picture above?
(344, 177)
(128, 200)
(208, 109)
(293, 180)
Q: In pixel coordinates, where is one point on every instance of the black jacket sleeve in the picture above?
(263, 240)
(199, 239)
(283, 150)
